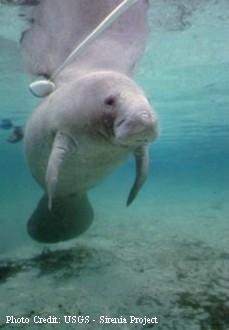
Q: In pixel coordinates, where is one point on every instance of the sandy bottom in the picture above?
(165, 257)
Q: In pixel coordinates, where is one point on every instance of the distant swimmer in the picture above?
(17, 135)
(6, 124)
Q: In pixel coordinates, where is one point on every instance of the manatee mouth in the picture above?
(135, 131)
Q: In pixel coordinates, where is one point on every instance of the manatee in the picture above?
(76, 138)
(95, 118)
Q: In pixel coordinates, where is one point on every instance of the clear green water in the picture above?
(167, 255)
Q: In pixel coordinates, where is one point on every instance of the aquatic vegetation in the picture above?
(8, 269)
(211, 310)
(178, 14)
(59, 263)
(198, 299)
(68, 262)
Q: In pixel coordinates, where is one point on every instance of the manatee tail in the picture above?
(69, 217)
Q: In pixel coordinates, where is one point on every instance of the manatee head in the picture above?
(121, 111)
(136, 122)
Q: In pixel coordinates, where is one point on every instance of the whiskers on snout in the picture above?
(136, 129)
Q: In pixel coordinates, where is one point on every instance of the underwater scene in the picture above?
(163, 261)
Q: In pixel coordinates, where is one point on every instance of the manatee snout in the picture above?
(138, 128)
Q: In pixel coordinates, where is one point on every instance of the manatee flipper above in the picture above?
(142, 164)
(69, 217)
(59, 26)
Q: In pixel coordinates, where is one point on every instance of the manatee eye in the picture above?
(110, 100)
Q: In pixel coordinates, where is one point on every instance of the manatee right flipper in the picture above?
(69, 217)
(142, 165)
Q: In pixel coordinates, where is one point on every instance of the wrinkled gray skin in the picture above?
(94, 120)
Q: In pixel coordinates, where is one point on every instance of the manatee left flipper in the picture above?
(142, 164)
(63, 146)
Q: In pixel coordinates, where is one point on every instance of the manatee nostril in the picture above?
(110, 100)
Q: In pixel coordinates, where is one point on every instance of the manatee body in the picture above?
(77, 137)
